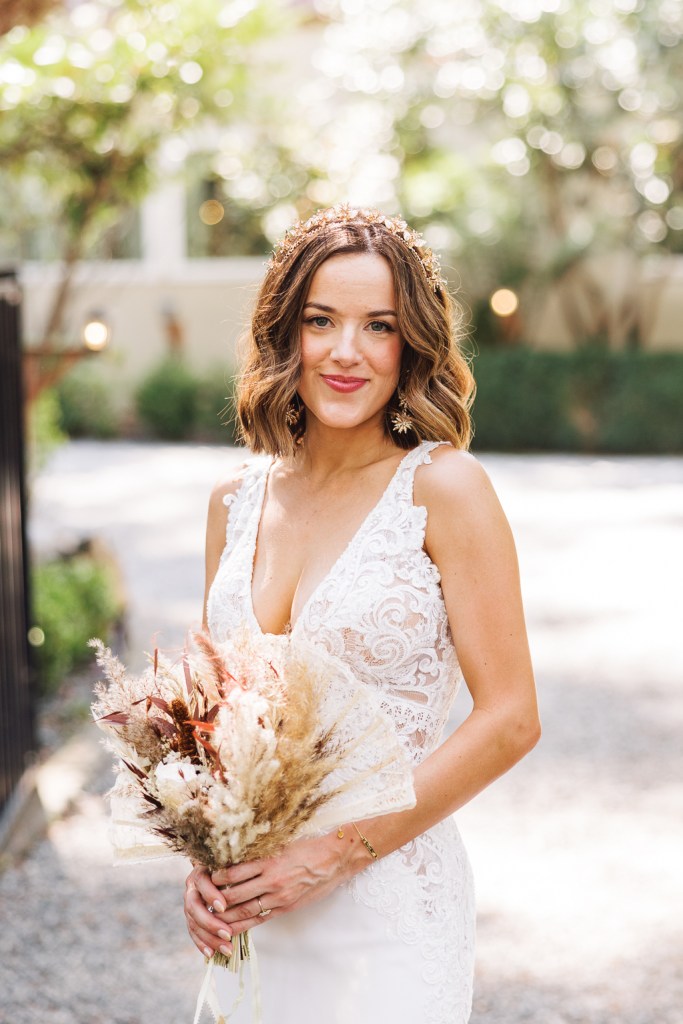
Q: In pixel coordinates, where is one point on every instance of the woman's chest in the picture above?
(302, 535)
(295, 551)
(381, 583)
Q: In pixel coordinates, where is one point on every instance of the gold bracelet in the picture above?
(366, 842)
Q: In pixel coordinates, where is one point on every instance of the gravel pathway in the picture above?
(576, 852)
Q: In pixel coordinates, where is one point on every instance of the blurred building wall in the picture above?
(648, 291)
(161, 302)
(165, 300)
(206, 303)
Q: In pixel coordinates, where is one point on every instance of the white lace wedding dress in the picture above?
(396, 944)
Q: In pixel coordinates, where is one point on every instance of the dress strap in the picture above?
(243, 501)
(405, 477)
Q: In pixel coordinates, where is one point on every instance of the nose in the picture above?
(346, 348)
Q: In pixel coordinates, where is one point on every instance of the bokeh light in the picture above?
(96, 333)
(504, 302)
(35, 636)
(211, 212)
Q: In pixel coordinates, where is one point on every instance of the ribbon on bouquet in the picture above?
(208, 996)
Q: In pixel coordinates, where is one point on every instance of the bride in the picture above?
(365, 525)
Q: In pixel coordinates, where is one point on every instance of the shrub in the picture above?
(588, 400)
(642, 411)
(44, 430)
(167, 400)
(523, 400)
(74, 598)
(85, 404)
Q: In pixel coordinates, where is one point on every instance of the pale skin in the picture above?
(314, 505)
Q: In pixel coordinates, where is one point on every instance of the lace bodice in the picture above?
(381, 610)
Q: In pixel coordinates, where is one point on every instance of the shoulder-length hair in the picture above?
(435, 378)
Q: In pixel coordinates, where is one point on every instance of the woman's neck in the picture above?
(328, 452)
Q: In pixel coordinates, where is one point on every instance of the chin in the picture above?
(345, 419)
(341, 422)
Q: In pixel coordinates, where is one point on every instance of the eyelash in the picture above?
(388, 329)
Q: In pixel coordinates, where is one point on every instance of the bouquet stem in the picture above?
(240, 954)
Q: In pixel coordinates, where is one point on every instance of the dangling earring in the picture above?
(294, 418)
(400, 418)
(293, 414)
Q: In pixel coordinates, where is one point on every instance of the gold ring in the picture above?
(264, 913)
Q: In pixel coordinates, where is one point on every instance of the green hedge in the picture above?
(588, 400)
(44, 433)
(176, 404)
(85, 401)
(74, 599)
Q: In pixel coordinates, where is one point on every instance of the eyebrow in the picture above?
(331, 309)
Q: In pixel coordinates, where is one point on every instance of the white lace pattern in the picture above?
(381, 610)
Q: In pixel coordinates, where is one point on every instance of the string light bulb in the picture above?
(96, 332)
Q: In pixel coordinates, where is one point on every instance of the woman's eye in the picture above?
(380, 327)
(318, 321)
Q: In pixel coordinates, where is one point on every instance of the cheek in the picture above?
(387, 360)
(312, 351)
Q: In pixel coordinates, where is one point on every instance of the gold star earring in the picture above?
(293, 414)
(400, 418)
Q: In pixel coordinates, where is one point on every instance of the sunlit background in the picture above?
(151, 154)
(158, 150)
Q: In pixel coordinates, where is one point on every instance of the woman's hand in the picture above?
(208, 932)
(307, 870)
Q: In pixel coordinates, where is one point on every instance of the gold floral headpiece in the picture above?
(344, 213)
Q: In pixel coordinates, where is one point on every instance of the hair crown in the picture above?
(344, 213)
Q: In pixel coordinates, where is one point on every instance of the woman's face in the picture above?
(350, 342)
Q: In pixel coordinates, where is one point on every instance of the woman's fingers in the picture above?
(203, 903)
(207, 943)
(208, 931)
(200, 880)
(251, 890)
(238, 873)
(247, 923)
(197, 911)
(250, 909)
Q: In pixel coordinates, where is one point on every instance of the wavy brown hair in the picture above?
(435, 378)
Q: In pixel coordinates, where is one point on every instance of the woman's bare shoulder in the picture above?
(452, 478)
(229, 483)
(226, 487)
(464, 515)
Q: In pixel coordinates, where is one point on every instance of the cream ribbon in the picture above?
(208, 997)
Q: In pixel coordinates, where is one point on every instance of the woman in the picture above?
(370, 530)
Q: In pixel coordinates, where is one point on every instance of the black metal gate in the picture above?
(16, 712)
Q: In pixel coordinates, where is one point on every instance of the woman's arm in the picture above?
(469, 540)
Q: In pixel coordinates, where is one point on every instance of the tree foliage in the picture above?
(97, 98)
(530, 139)
(526, 134)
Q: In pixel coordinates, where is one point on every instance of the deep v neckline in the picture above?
(258, 516)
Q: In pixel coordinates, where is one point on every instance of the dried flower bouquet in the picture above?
(236, 749)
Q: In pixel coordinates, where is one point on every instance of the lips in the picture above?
(344, 385)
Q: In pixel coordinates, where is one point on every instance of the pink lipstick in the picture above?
(343, 384)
